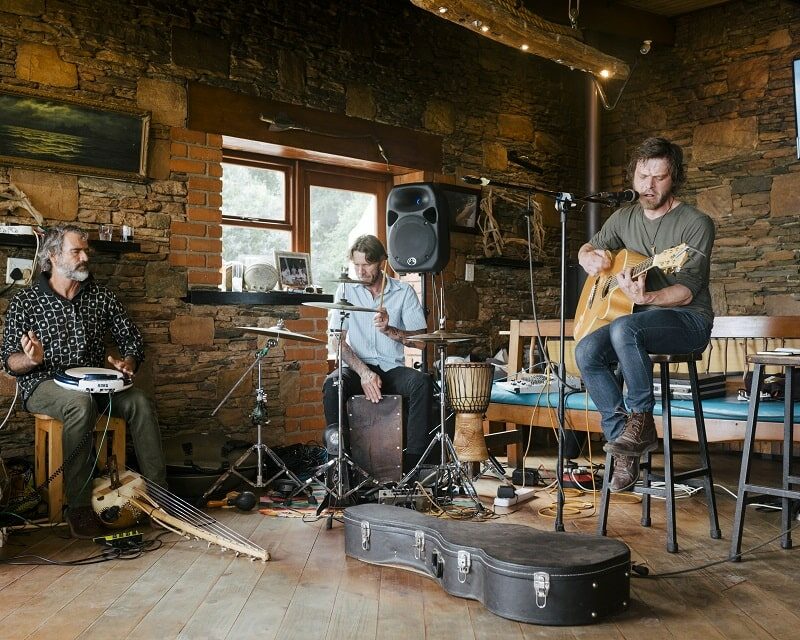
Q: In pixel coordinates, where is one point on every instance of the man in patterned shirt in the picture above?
(60, 322)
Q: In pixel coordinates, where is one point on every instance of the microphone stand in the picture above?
(564, 202)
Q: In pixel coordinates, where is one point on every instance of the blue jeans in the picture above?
(626, 342)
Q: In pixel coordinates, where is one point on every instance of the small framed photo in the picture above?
(294, 269)
(463, 204)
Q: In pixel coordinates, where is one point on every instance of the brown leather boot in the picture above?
(638, 437)
(626, 473)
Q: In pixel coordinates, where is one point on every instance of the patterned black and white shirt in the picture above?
(72, 332)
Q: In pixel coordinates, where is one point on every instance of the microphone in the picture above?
(476, 180)
(523, 161)
(618, 197)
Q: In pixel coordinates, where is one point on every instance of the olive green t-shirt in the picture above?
(628, 228)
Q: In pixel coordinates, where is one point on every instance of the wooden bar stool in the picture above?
(790, 364)
(699, 477)
(49, 455)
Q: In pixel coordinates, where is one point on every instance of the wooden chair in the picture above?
(49, 455)
(699, 477)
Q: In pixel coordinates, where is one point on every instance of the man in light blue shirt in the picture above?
(372, 349)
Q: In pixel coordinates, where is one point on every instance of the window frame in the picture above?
(300, 176)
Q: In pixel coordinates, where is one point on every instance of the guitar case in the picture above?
(515, 571)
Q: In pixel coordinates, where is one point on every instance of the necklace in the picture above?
(658, 228)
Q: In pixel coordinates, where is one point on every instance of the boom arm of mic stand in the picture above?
(270, 343)
(557, 195)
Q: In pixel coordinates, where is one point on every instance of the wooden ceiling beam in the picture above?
(507, 23)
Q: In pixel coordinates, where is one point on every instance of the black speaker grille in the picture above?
(412, 241)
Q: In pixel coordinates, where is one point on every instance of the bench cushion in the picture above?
(727, 408)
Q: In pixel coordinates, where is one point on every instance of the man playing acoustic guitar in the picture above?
(671, 313)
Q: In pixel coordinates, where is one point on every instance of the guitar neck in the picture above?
(638, 270)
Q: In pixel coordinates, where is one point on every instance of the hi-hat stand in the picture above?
(259, 418)
(450, 472)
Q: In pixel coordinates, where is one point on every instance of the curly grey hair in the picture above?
(53, 244)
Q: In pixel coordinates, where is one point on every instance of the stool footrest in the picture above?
(777, 492)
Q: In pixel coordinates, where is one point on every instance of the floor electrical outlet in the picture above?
(25, 267)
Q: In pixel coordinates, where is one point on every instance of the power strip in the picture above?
(523, 494)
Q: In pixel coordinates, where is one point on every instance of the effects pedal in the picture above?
(123, 540)
(530, 479)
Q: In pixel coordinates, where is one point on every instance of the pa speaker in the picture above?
(417, 228)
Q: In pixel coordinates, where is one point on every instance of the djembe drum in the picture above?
(468, 389)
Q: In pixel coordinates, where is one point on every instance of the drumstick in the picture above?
(383, 289)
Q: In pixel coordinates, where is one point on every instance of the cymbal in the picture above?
(342, 305)
(345, 279)
(442, 336)
(280, 332)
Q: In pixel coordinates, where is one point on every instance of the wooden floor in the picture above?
(311, 590)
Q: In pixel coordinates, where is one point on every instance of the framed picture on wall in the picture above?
(463, 204)
(40, 130)
(294, 269)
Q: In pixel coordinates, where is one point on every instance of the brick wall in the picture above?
(196, 240)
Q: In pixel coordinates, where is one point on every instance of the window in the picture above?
(271, 203)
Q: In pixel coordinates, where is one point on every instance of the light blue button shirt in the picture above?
(370, 345)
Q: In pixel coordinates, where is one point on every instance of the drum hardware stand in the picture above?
(449, 466)
(339, 493)
(259, 418)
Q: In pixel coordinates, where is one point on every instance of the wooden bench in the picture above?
(733, 338)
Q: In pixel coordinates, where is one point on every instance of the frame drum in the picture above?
(468, 389)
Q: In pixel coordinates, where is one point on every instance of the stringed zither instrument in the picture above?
(121, 497)
(602, 300)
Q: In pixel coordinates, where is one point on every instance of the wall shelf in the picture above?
(107, 246)
(275, 298)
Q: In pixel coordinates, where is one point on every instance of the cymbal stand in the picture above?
(449, 466)
(259, 418)
(338, 494)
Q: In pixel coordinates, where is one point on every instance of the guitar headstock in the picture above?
(672, 259)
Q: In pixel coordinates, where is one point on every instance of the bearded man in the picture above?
(672, 313)
(60, 322)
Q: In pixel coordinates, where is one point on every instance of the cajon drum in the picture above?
(376, 436)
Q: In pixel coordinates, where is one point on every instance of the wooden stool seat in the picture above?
(49, 455)
(699, 477)
(790, 484)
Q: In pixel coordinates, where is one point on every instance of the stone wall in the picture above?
(724, 92)
(384, 61)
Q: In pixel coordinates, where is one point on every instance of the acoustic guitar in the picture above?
(602, 300)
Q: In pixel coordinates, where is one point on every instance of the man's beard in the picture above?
(657, 204)
(78, 274)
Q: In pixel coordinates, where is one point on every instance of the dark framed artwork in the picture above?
(43, 131)
(463, 204)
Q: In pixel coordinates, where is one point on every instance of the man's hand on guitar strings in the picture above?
(633, 287)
